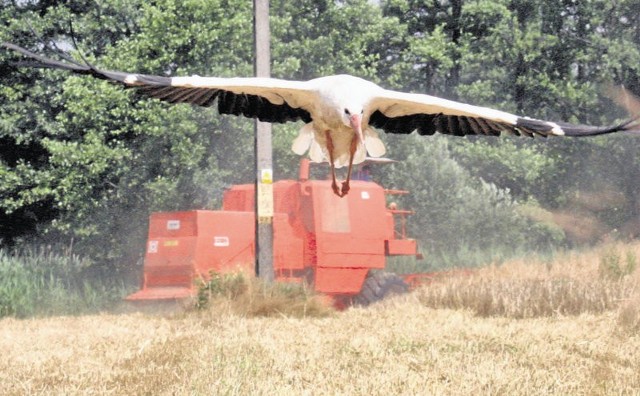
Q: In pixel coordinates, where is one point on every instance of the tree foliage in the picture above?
(86, 161)
(541, 58)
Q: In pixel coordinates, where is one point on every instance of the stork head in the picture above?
(352, 117)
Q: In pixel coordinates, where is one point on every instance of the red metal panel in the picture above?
(183, 245)
(242, 197)
(404, 247)
(169, 262)
(160, 250)
(168, 275)
(332, 212)
(286, 197)
(352, 260)
(310, 250)
(287, 247)
(341, 243)
(225, 241)
(367, 209)
(239, 198)
(390, 226)
(161, 293)
(340, 280)
(351, 230)
(172, 224)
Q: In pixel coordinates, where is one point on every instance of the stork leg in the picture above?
(334, 183)
(352, 152)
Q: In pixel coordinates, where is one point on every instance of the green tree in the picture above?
(427, 60)
(106, 158)
(84, 160)
(546, 59)
(27, 111)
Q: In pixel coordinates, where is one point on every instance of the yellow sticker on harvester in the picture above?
(171, 243)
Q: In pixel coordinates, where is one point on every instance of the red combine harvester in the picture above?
(337, 245)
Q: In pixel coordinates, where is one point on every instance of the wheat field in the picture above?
(452, 337)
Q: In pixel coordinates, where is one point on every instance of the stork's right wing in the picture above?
(268, 99)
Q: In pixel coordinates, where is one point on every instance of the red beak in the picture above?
(356, 124)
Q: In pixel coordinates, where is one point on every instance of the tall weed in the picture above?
(47, 281)
(613, 267)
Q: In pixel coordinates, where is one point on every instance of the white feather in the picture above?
(360, 154)
(316, 152)
(375, 146)
(302, 143)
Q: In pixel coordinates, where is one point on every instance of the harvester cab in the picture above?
(336, 245)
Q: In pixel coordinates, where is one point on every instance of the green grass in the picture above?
(464, 257)
(36, 281)
(614, 267)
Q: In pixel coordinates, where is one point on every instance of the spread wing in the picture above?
(268, 99)
(398, 112)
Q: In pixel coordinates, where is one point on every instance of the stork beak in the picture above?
(356, 125)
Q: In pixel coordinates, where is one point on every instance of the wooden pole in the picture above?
(263, 150)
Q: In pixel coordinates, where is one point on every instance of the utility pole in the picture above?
(263, 149)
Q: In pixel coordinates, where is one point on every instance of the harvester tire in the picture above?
(378, 285)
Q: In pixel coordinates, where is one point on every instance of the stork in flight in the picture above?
(339, 111)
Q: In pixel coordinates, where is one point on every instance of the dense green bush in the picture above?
(459, 219)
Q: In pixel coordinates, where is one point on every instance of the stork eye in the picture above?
(347, 112)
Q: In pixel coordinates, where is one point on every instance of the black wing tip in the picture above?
(630, 125)
(45, 62)
(576, 130)
(86, 68)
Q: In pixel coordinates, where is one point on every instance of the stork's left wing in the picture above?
(399, 112)
(268, 99)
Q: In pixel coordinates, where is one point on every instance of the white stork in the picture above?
(339, 111)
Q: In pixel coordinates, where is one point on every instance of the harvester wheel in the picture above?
(378, 285)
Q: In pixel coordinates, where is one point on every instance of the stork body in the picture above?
(339, 132)
(340, 112)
